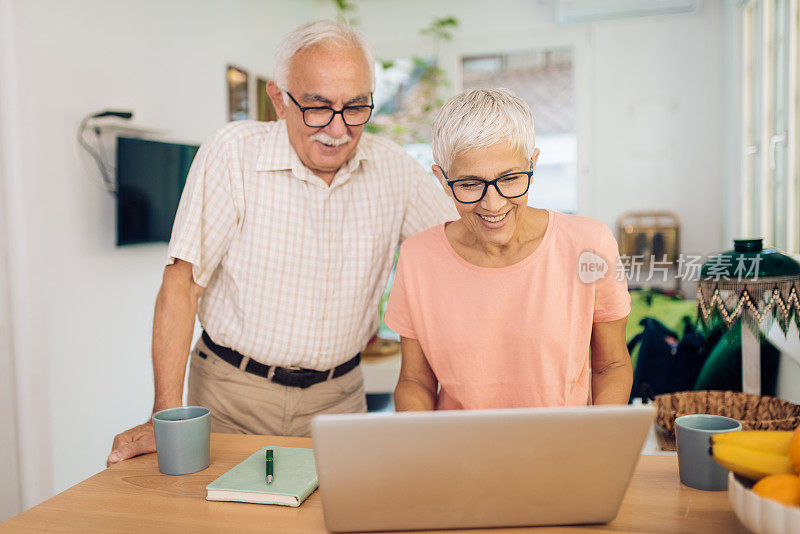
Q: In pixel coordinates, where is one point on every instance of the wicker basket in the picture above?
(753, 411)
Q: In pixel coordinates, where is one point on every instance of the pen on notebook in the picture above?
(269, 466)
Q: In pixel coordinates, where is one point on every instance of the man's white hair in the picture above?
(318, 32)
(480, 118)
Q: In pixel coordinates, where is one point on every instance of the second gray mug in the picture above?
(692, 435)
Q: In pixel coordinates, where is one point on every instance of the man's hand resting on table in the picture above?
(138, 440)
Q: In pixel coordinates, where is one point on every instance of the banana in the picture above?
(772, 441)
(749, 462)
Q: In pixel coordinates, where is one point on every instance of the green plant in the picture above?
(440, 30)
(412, 123)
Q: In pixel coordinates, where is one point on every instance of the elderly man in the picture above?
(282, 246)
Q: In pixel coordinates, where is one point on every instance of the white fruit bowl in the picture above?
(760, 515)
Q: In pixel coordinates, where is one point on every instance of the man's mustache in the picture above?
(332, 141)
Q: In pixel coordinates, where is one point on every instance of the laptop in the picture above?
(482, 468)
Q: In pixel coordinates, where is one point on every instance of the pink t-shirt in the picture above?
(515, 336)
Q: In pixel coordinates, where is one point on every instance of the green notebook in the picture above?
(295, 477)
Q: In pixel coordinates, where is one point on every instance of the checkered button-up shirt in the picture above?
(294, 269)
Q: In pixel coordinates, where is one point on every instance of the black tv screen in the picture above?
(150, 179)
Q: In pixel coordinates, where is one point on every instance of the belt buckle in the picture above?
(291, 376)
(293, 368)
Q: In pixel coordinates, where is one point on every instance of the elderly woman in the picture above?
(500, 308)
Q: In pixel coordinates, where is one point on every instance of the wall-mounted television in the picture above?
(150, 179)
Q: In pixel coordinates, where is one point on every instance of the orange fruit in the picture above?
(784, 489)
(794, 450)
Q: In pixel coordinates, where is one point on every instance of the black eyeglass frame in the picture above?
(487, 183)
(303, 110)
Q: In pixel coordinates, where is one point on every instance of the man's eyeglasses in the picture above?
(321, 116)
(472, 190)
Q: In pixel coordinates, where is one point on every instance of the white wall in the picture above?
(10, 241)
(85, 307)
(659, 121)
(731, 122)
(10, 502)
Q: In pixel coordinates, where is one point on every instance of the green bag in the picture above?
(723, 367)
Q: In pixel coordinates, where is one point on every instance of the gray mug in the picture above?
(183, 439)
(692, 435)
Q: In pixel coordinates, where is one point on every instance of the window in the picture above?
(770, 179)
(406, 101)
(544, 79)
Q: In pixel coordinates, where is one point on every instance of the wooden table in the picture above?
(133, 496)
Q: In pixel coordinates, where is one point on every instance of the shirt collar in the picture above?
(277, 154)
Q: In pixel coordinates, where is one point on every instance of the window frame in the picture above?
(770, 156)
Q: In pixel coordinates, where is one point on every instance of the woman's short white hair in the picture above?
(480, 118)
(317, 32)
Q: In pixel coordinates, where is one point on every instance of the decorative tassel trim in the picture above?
(755, 302)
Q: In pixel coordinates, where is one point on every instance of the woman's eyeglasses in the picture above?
(471, 190)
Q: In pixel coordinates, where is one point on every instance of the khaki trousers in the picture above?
(243, 403)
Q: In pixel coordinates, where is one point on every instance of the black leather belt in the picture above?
(297, 378)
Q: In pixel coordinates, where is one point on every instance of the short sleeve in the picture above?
(206, 219)
(427, 205)
(611, 298)
(398, 311)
